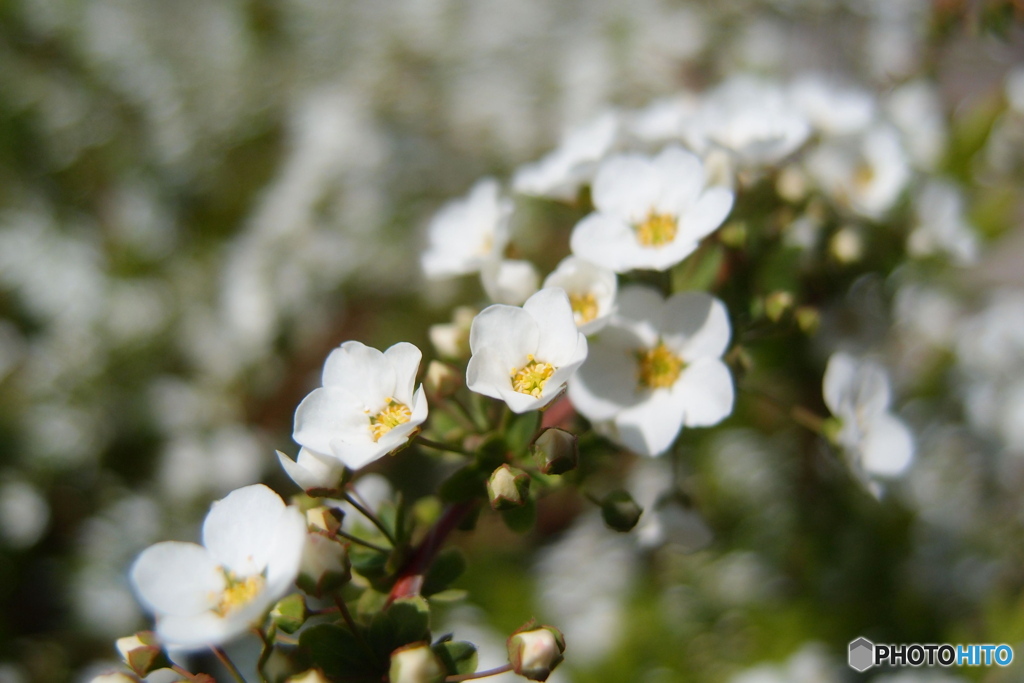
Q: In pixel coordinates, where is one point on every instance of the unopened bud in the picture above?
(452, 339)
(535, 653)
(847, 245)
(415, 663)
(556, 451)
(325, 565)
(311, 676)
(323, 518)
(733, 234)
(776, 304)
(442, 380)
(808, 319)
(620, 511)
(792, 184)
(142, 653)
(114, 677)
(508, 488)
(289, 614)
(831, 427)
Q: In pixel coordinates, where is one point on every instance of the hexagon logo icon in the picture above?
(862, 654)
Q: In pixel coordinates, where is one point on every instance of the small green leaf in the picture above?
(521, 519)
(459, 657)
(464, 485)
(446, 568)
(338, 653)
(405, 621)
(521, 430)
(368, 562)
(700, 270)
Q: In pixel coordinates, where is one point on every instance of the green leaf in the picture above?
(405, 621)
(700, 270)
(339, 653)
(446, 568)
(521, 430)
(464, 485)
(459, 657)
(521, 519)
(368, 562)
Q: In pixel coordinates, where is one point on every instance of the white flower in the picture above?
(207, 594)
(312, 470)
(524, 356)
(468, 232)
(651, 213)
(832, 108)
(916, 109)
(942, 225)
(864, 173)
(366, 407)
(561, 173)
(656, 367)
(858, 394)
(591, 291)
(509, 281)
(753, 119)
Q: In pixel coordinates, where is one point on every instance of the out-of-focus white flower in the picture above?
(1015, 89)
(509, 281)
(524, 356)
(651, 213)
(941, 225)
(312, 470)
(857, 392)
(755, 120)
(663, 120)
(467, 232)
(24, 514)
(366, 407)
(561, 173)
(916, 110)
(865, 173)
(591, 291)
(666, 520)
(809, 664)
(655, 367)
(206, 595)
(451, 340)
(831, 108)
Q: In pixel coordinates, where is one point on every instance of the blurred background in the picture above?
(199, 199)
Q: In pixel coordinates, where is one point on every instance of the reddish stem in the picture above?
(410, 579)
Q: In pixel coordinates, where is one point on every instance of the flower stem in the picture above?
(228, 664)
(479, 674)
(358, 541)
(470, 414)
(420, 439)
(351, 623)
(370, 516)
(410, 579)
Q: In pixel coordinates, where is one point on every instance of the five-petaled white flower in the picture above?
(207, 594)
(857, 392)
(366, 407)
(591, 291)
(467, 233)
(655, 367)
(651, 213)
(524, 356)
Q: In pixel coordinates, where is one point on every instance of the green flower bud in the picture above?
(534, 653)
(620, 511)
(808, 319)
(142, 653)
(415, 663)
(508, 488)
(555, 451)
(776, 304)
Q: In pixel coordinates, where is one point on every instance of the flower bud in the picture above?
(776, 304)
(442, 380)
(734, 234)
(325, 565)
(555, 451)
(290, 613)
(114, 677)
(452, 339)
(323, 518)
(311, 676)
(415, 663)
(808, 319)
(847, 245)
(508, 488)
(620, 511)
(535, 653)
(142, 653)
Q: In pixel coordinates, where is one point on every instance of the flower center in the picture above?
(659, 367)
(863, 176)
(657, 230)
(530, 378)
(394, 414)
(239, 592)
(584, 307)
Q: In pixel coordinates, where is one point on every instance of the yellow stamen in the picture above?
(394, 414)
(530, 378)
(863, 175)
(239, 592)
(584, 307)
(657, 230)
(659, 367)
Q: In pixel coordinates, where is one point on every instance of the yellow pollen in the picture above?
(530, 378)
(659, 367)
(657, 230)
(394, 414)
(584, 307)
(239, 592)
(863, 175)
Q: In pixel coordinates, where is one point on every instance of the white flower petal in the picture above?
(240, 529)
(888, 446)
(705, 215)
(508, 332)
(327, 413)
(599, 238)
(177, 578)
(607, 381)
(363, 372)
(705, 392)
(286, 547)
(552, 312)
(696, 325)
(199, 631)
(405, 360)
(641, 309)
(312, 470)
(682, 177)
(650, 427)
(839, 377)
(627, 187)
(485, 374)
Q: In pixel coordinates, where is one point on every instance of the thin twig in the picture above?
(370, 516)
(423, 441)
(351, 623)
(479, 674)
(228, 664)
(362, 542)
